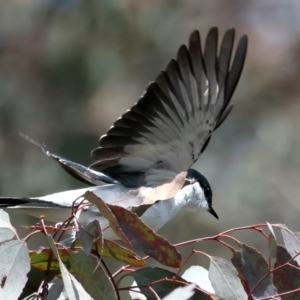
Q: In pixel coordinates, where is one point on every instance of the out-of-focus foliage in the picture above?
(68, 69)
(248, 276)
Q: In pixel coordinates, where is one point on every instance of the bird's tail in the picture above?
(80, 172)
(24, 202)
(37, 208)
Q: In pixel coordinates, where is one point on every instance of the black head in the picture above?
(197, 176)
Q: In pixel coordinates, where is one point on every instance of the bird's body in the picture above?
(58, 206)
(162, 135)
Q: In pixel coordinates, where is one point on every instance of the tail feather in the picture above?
(37, 208)
(25, 202)
(80, 172)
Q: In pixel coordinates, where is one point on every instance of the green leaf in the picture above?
(146, 276)
(39, 259)
(254, 268)
(89, 234)
(182, 293)
(237, 262)
(106, 212)
(90, 274)
(72, 287)
(14, 266)
(272, 241)
(143, 238)
(286, 278)
(130, 228)
(35, 277)
(198, 275)
(224, 279)
(7, 232)
(113, 250)
(291, 242)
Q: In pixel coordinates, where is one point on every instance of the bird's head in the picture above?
(195, 176)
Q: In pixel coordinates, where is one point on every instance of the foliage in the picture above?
(82, 267)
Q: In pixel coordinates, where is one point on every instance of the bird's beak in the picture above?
(211, 210)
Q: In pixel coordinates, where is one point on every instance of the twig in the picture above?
(271, 271)
(111, 279)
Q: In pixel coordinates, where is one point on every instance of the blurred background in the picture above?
(69, 69)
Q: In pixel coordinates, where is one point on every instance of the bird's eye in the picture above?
(160, 165)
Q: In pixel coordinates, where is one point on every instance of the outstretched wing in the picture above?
(165, 132)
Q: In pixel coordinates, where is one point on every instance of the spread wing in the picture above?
(165, 132)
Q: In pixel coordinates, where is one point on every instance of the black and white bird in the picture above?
(162, 135)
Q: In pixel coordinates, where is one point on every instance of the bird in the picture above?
(161, 136)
